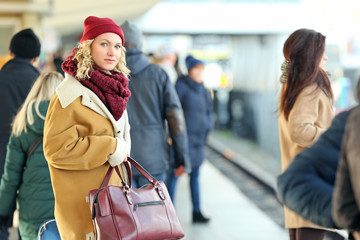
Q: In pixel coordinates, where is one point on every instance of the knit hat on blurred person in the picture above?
(25, 44)
(133, 35)
(192, 62)
(94, 26)
(165, 50)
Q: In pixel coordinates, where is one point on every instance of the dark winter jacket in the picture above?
(16, 79)
(197, 106)
(346, 197)
(306, 186)
(30, 176)
(154, 100)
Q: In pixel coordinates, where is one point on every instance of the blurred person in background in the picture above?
(58, 60)
(167, 57)
(153, 103)
(16, 79)
(310, 178)
(305, 110)
(86, 127)
(197, 106)
(177, 66)
(26, 177)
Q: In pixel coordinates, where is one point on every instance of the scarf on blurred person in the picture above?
(112, 89)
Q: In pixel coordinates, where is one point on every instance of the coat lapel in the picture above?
(70, 89)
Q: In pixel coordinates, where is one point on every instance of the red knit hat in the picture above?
(94, 26)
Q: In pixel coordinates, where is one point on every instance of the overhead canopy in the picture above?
(67, 16)
(222, 17)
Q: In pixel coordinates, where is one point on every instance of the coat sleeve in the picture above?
(11, 179)
(70, 140)
(209, 111)
(306, 186)
(303, 116)
(346, 200)
(177, 127)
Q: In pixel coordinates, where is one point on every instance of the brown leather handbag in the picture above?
(121, 212)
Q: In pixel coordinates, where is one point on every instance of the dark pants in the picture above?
(194, 187)
(4, 231)
(306, 234)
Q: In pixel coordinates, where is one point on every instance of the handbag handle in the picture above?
(135, 164)
(109, 174)
(142, 170)
(156, 184)
(127, 187)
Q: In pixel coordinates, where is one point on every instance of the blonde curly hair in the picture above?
(85, 62)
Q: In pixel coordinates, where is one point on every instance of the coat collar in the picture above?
(70, 89)
(191, 83)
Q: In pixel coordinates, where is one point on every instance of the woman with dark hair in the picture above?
(305, 110)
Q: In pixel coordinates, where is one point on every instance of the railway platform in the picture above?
(233, 215)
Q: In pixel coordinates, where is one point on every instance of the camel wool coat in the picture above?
(310, 116)
(79, 137)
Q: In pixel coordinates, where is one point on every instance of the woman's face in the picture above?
(323, 61)
(197, 73)
(106, 51)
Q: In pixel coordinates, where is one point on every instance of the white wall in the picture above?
(256, 61)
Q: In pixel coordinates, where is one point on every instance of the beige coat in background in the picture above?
(310, 116)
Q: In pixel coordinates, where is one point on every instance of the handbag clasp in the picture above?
(160, 191)
(127, 195)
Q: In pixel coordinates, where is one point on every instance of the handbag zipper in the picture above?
(144, 204)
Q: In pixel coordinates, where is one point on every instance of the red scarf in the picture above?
(112, 89)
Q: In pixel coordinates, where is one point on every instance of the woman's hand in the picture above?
(123, 146)
(121, 153)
